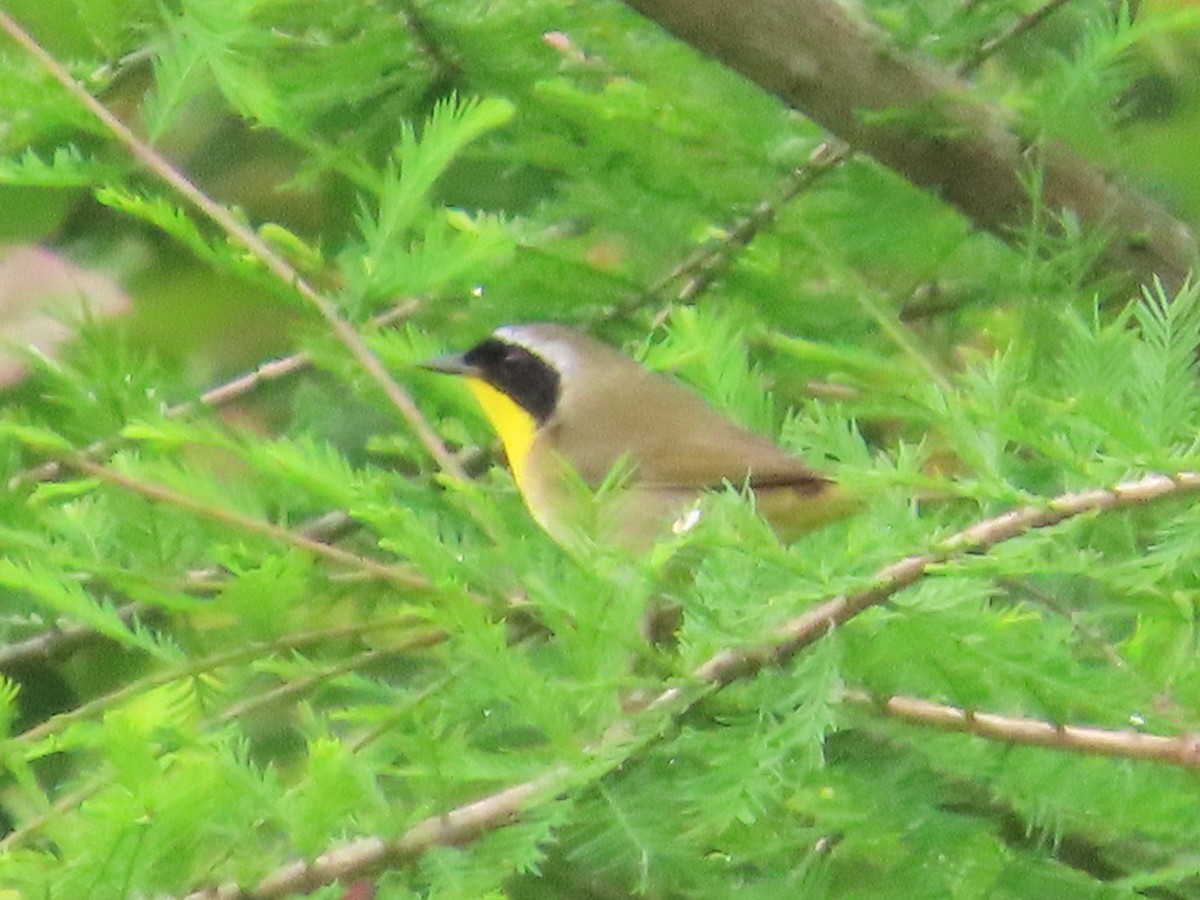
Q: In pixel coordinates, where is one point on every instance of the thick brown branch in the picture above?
(704, 265)
(922, 122)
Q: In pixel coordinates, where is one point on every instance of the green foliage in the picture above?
(410, 246)
(206, 675)
(213, 43)
(68, 167)
(176, 223)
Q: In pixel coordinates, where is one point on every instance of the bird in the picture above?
(603, 449)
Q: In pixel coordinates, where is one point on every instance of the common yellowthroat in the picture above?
(571, 410)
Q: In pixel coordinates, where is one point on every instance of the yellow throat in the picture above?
(514, 425)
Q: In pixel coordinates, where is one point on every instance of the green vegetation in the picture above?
(253, 627)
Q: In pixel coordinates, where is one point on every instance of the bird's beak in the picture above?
(450, 364)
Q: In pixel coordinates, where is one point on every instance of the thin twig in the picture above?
(1021, 26)
(162, 494)
(1183, 750)
(1086, 633)
(64, 637)
(297, 687)
(798, 633)
(59, 640)
(369, 855)
(236, 388)
(273, 262)
(60, 807)
(56, 723)
(704, 265)
(448, 70)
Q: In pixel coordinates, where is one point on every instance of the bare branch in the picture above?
(60, 640)
(291, 690)
(1176, 751)
(706, 263)
(1021, 26)
(236, 388)
(368, 855)
(227, 392)
(798, 633)
(324, 529)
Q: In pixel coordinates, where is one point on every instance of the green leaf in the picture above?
(1165, 360)
(44, 440)
(64, 597)
(67, 167)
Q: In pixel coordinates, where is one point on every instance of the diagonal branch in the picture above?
(61, 639)
(1021, 26)
(363, 857)
(824, 60)
(273, 262)
(1178, 751)
(705, 264)
(161, 494)
(227, 392)
(798, 633)
(64, 637)
(464, 823)
(449, 70)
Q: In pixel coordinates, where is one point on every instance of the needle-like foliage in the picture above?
(271, 637)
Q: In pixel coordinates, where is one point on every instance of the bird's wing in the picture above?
(673, 439)
(731, 455)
